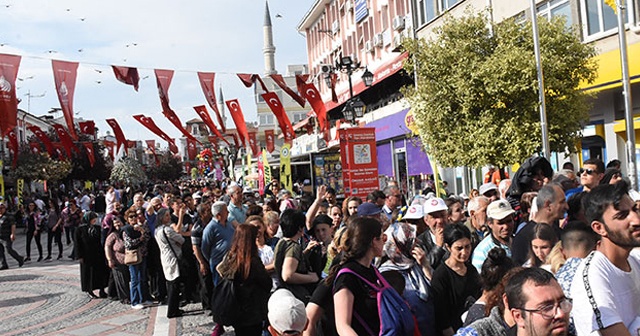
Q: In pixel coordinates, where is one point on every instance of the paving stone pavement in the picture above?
(44, 298)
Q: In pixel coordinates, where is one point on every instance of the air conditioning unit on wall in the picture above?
(335, 27)
(378, 40)
(398, 23)
(348, 5)
(368, 46)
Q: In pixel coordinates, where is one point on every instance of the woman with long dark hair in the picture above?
(54, 228)
(243, 266)
(363, 242)
(114, 250)
(543, 240)
(33, 219)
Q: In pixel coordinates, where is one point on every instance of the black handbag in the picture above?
(225, 306)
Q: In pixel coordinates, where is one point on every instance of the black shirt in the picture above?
(6, 221)
(365, 302)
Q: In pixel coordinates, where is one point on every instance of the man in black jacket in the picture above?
(432, 240)
(7, 236)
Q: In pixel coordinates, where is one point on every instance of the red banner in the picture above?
(131, 144)
(301, 80)
(214, 143)
(204, 115)
(253, 143)
(269, 138)
(34, 147)
(88, 146)
(65, 139)
(109, 145)
(151, 144)
(238, 119)
(279, 80)
(117, 131)
(359, 161)
(149, 124)
(60, 152)
(43, 138)
(249, 79)
(127, 75)
(87, 127)
(13, 147)
(272, 100)
(64, 74)
(9, 65)
(313, 96)
(207, 80)
(192, 150)
(235, 139)
(163, 80)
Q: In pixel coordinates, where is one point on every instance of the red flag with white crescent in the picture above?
(206, 118)
(151, 144)
(279, 80)
(313, 96)
(301, 80)
(238, 119)
(272, 100)
(269, 137)
(253, 143)
(87, 127)
(117, 131)
(88, 146)
(13, 147)
(42, 136)
(192, 150)
(109, 145)
(65, 139)
(64, 74)
(127, 75)
(207, 80)
(149, 124)
(171, 115)
(60, 151)
(34, 147)
(9, 65)
(163, 80)
(249, 79)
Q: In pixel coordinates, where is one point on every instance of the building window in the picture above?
(426, 10)
(266, 119)
(446, 4)
(598, 17)
(550, 9)
(298, 116)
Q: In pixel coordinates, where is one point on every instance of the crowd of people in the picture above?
(542, 253)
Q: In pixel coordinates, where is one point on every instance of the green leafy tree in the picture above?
(169, 169)
(476, 100)
(39, 166)
(128, 170)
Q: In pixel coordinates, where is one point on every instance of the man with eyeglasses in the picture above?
(606, 285)
(537, 303)
(393, 199)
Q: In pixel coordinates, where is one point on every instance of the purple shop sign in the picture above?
(391, 126)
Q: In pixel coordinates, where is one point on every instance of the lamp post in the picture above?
(354, 108)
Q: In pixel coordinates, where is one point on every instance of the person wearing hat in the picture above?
(501, 225)
(490, 191)
(367, 209)
(94, 273)
(436, 216)
(7, 236)
(287, 315)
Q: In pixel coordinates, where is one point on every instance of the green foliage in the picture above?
(476, 100)
(39, 166)
(82, 169)
(169, 169)
(129, 171)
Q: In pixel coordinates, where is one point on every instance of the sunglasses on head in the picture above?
(588, 171)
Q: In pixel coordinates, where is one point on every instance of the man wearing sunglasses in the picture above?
(537, 303)
(591, 174)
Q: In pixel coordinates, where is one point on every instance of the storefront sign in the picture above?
(327, 170)
(359, 160)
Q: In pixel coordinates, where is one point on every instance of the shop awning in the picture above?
(609, 69)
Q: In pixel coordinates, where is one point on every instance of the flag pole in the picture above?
(546, 152)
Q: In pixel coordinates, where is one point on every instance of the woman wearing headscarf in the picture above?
(404, 257)
(114, 251)
(94, 273)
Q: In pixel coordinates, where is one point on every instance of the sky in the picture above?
(221, 36)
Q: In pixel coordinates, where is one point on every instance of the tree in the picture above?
(169, 169)
(476, 100)
(39, 166)
(128, 170)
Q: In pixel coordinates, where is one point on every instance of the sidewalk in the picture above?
(44, 298)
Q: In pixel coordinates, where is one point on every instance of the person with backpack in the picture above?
(364, 303)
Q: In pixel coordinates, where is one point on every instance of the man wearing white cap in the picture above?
(490, 191)
(287, 315)
(432, 240)
(500, 222)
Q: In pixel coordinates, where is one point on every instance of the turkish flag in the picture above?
(214, 143)
(272, 100)
(171, 115)
(313, 96)
(117, 131)
(151, 144)
(65, 139)
(88, 146)
(42, 136)
(238, 119)
(59, 148)
(253, 143)
(235, 139)
(109, 145)
(9, 65)
(269, 137)
(64, 74)
(204, 115)
(127, 75)
(278, 79)
(163, 80)
(192, 150)
(301, 80)
(34, 147)
(207, 80)
(87, 127)
(13, 147)
(249, 79)
(149, 124)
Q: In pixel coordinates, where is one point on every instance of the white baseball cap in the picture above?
(286, 313)
(499, 209)
(414, 212)
(487, 187)
(433, 205)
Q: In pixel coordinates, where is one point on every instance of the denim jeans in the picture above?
(139, 287)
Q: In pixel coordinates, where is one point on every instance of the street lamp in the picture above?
(354, 108)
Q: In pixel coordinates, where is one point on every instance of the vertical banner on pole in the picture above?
(360, 166)
(285, 166)
(267, 168)
(260, 176)
(20, 190)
